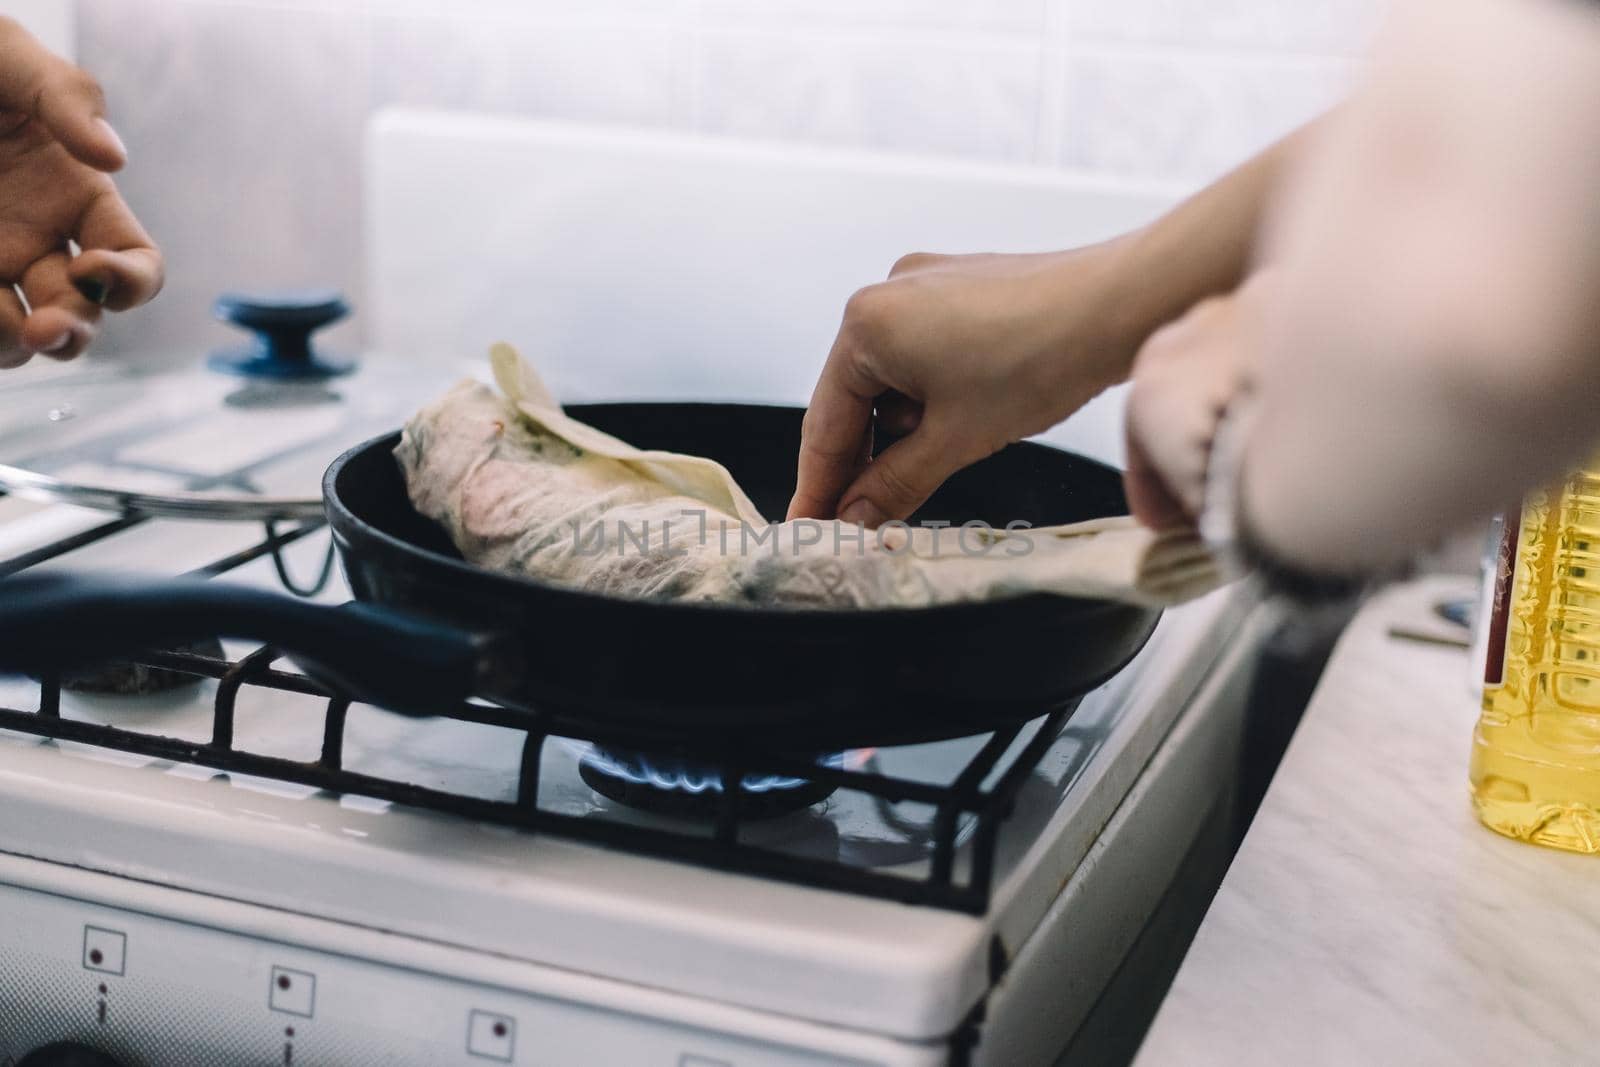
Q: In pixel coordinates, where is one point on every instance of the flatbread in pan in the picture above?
(523, 488)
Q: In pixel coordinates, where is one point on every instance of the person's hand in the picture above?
(962, 355)
(56, 155)
(1183, 380)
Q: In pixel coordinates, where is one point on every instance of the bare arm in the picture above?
(1434, 348)
(1204, 247)
(965, 354)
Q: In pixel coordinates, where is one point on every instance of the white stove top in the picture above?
(313, 870)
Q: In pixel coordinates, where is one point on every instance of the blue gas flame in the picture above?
(684, 778)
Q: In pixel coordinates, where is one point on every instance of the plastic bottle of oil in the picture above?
(1536, 752)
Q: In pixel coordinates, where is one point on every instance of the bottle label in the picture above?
(1503, 583)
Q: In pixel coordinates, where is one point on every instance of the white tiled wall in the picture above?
(243, 117)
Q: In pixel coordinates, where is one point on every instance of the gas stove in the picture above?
(243, 868)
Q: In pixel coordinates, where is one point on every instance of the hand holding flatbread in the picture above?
(521, 487)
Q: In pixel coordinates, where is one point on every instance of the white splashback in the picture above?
(639, 264)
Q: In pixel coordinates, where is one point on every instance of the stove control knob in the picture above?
(67, 1054)
(283, 324)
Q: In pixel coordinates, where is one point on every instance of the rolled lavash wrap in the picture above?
(523, 488)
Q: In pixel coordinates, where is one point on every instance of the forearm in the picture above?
(1203, 247)
(1435, 346)
(1359, 461)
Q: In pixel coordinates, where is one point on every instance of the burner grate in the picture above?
(979, 797)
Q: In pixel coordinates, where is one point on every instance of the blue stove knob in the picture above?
(283, 323)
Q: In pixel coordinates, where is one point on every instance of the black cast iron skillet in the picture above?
(431, 629)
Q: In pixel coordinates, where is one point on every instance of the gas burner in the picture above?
(669, 786)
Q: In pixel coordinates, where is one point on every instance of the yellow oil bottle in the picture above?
(1536, 752)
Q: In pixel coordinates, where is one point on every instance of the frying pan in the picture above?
(430, 630)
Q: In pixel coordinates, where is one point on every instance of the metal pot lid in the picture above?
(245, 435)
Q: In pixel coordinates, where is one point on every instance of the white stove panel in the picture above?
(157, 992)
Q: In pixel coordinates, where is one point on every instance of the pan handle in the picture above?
(400, 662)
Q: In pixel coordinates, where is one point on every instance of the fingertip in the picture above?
(117, 281)
(101, 150)
(93, 289)
(55, 333)
(1153, 505)
(113, 151)
(806, 506)
(905, 475)
(823, 474)
(865, 513)
(900, 423)
(72, 107)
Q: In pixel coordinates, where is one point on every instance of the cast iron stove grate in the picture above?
(968, 809)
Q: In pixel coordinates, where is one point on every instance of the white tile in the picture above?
(875, 91)
(1187, 119)
(583, 9)
(257, 183)
(1014, 15)
(1051, 123)
(576, 70)
(243, 127)
(1327, 27)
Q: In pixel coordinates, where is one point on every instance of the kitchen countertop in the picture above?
(1368, 918)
